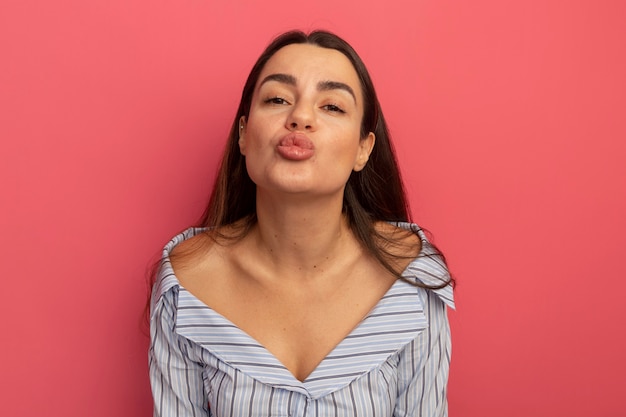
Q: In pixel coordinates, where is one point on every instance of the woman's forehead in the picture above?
(310, 62)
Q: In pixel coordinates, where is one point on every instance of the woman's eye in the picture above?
(276, 100)
(333, 108)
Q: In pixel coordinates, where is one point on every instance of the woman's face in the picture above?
(303, 131)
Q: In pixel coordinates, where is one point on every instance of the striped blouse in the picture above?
(394, 363)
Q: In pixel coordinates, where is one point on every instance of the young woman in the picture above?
(305, 291)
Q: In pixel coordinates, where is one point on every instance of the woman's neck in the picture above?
(302, 236)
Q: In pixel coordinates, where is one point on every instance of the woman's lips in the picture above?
(295, 147)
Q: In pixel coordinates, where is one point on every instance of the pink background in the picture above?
(509, 118)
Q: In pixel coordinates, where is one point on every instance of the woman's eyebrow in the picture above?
(281, 78)
(321, 86)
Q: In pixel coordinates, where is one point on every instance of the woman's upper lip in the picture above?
(295, 146)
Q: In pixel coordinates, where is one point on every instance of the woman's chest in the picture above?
(299, 324)
(359, 373)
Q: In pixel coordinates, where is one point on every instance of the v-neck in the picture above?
(394, 321)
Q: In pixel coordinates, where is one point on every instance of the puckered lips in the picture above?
(295, 147)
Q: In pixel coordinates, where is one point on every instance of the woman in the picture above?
(305, 292)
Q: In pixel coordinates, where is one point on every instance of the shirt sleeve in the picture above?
(177, 381)
(424, 365)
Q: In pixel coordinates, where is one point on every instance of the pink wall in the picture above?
(509, 119)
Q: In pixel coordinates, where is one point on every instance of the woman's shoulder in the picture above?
(203, 255)
(196, 241)
(399, 240)
(185, 259)
(188, 250)
(420, 261)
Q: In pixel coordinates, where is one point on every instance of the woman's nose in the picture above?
(302, 117)
(296, 126)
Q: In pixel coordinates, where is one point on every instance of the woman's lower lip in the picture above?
(295, 153)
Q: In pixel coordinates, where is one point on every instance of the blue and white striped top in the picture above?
(394, 363)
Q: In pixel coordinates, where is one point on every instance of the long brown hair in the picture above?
(376, 193)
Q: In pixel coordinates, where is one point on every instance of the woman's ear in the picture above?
(365, 149)
(242, 136)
